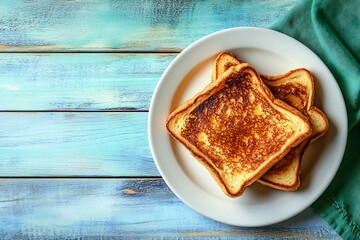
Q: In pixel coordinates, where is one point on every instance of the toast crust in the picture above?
(319, 123)
(296, 88)
(290, 165)
(223, 62)
(285, 175)
(237, 129)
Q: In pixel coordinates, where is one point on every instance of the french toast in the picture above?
(223, 62)
(296, 88)
(237, 129)
(319, 123)
(285, 175)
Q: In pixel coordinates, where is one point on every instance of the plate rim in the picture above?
(151, 123)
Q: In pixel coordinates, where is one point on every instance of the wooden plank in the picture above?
(133, 25)
(81, 82)
(124, 209)
(75, 144)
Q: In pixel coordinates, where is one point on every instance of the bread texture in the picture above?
(223, 62)
(296, 88)
(237, 129)
(319, 123)
(285, 175)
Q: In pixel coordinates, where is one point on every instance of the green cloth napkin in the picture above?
(331, 29)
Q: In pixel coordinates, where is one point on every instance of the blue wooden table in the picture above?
(76, 79)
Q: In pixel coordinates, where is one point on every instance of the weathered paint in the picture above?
(43, 134)
(124, 209)
(75, 144)
(131, 25)
(80, 82)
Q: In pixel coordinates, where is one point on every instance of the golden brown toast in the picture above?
(296, 88)
(285, 175)
(223, 62)
(237, 129)
(319, 123)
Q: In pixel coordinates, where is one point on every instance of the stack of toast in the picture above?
(246, 127)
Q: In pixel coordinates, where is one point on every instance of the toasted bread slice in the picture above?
(285, 175)
(237, 129)
(296, 88)
(319, 123)
(223, 62)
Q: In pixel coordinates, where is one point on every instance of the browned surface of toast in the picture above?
(319, 123)
(296, 88)
(223, 62)
(285, 174)
(237, 129)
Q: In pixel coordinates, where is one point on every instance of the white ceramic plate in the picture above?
(271, 53)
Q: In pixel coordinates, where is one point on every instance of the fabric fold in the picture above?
(331, 29)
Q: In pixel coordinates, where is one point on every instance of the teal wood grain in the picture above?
(81, 82)
(75, 144)
(131, 25)
(48, 75)
(124, 209)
